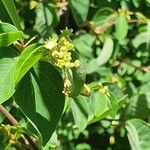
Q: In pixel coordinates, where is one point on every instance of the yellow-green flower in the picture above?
(59, 52)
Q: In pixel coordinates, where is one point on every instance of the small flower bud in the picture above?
(63, 48)
(77, 63)
(67, 65)
(67, 87)
(50, 44)
(70, 46)
(55, 54)
(61, 54)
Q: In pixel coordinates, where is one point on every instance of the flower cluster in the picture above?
(125, 12)
(104, 89)
(9, 133)
(59, 52)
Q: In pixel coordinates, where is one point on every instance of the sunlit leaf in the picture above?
(106, 52)
(138, 134)
(80, 110)
(46, 16)
(8, 58)
(139, 39)
(121, 28)
(28, 58)
(103, 16)
(84, 44)
(98, 103)
(9, 34)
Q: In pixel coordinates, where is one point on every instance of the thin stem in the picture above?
(8, 115)
(33, 38)
(110, 23)
(143, 69)
(31, 141)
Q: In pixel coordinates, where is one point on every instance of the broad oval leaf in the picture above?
(138, 134)
(98, 104)
(79, 10)
(46, 16)
(102, 105)
(8, 58)
(103, 16)
(106, 52)
(115, 91)
(121, 28)
(103, 57)
(28, 58)
(84, 44)
(139, 107)
(89, 66)
(39, 95)
(80, 111)
(142, 38)
(9, 34)
(139, 39)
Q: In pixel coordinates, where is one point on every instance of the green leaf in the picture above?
(136, 3)
(46, 16)
(148, 2)
(4, 16)
(102, 105)
(144, 88)
(79, 10)
(80, 111)
(139, 39)
(12, 11)
(138, 134)
(139, 107)
(83, 146)
(115, 91)
(39, 95)
(52, 143)
(98, 104)
(9, 34)
(103, 16)
(103, 57)
(106, 52)
(7, 61)
(114, 105)
(89, 66)
(133, 136)
(77, 77)
(28, 58)
(84, 44)
(121, 28)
